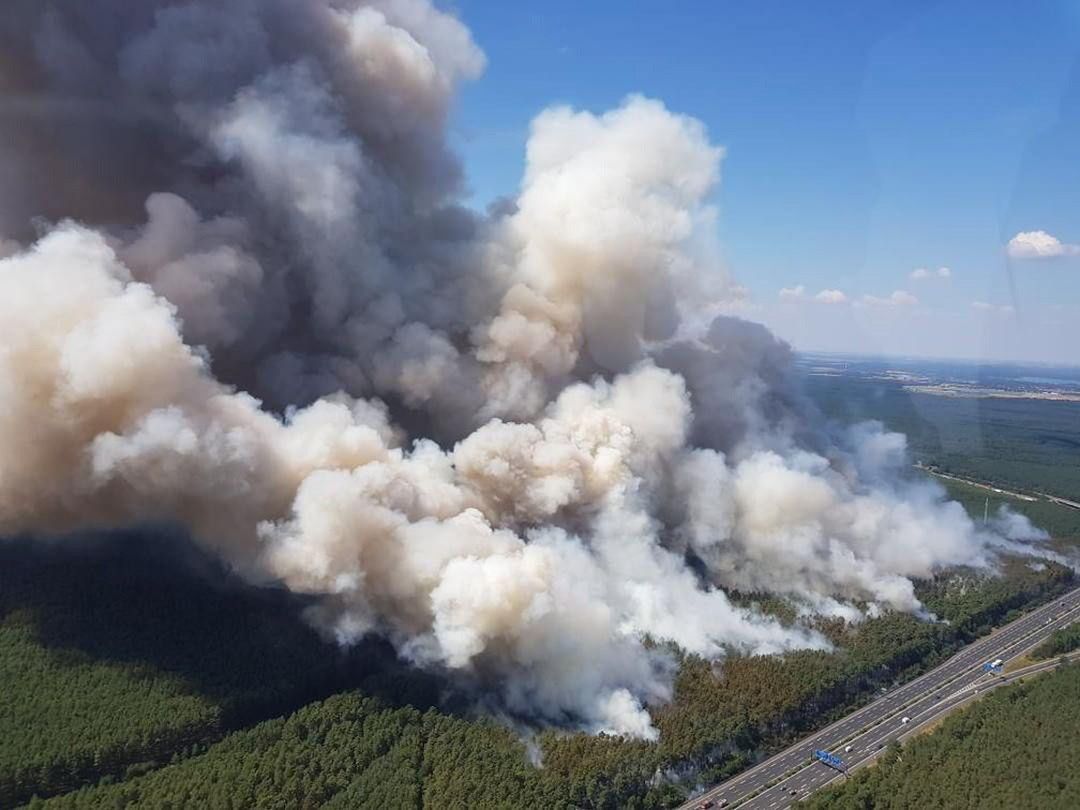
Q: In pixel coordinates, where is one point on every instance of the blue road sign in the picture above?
(829, 759)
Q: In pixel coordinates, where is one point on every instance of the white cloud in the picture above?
(831, 297)
(903, 298)
(922, 273)
(790, 293)
(1039, 245)
(997, 309)
(899, 298)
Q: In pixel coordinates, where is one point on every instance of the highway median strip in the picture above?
(973, 651)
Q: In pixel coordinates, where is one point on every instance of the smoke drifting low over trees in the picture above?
(240, 294)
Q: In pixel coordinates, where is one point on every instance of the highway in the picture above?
(794, 774)
(956, 700)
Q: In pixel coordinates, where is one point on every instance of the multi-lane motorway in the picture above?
(794, 774)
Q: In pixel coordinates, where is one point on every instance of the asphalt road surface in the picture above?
(869, 730)
(954, 701)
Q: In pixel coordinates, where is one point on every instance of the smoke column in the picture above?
(239, 292)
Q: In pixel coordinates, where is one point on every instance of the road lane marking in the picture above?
(875, 713)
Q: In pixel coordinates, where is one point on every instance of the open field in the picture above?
(1009, 450)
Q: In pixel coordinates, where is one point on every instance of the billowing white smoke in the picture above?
(279, 218)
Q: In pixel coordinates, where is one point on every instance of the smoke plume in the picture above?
(239, 292)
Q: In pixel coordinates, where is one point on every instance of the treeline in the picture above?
(1061, 641)
(973, 602)
(1017, 443)
(1062, 523)
(724, 715)
(116, 659)
(348, 751)
(1016, 748)
(117, 669)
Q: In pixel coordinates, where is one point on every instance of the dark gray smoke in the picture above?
(207, 206)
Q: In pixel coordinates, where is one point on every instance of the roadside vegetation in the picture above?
(1018, 747)
(1065, 640)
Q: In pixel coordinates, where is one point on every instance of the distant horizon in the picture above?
(938, 359)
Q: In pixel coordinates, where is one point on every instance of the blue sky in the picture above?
(864, 140)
